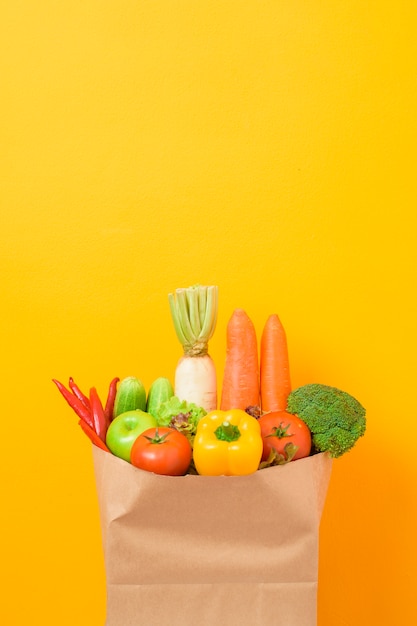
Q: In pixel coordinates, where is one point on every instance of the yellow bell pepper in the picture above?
(227, 443)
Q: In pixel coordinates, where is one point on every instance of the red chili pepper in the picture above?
(99, 419)
(75, 403)
(80, 395)
(108, 409)
(92, 435)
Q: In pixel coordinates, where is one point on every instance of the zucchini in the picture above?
(130, 396)
(160, 391)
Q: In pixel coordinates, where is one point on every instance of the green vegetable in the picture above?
(160, 391)
(130, 395)
(180, 414)
(335, 418)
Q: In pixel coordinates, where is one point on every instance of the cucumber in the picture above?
(160, 391)
(130, 395)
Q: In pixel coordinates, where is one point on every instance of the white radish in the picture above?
(194, 313)
(196, 381)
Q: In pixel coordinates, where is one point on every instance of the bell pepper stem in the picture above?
(227, 432)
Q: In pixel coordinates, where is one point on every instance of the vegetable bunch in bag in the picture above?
(258, 411)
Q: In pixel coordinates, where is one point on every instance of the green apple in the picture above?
(125, 429)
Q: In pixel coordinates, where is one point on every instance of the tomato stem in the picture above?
(157, 438)
(280, 431)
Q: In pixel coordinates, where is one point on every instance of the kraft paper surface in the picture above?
(201, 550)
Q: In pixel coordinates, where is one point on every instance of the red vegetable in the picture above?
(111, 396)
(99, 419)
(75, 403)
(275, 370)
(92, 435)
(279, 428)
(162, 451)
(80, 395)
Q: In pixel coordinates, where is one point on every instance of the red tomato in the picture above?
(162, 451)
(279, 428)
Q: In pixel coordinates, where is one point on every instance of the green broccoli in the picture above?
(335, 418)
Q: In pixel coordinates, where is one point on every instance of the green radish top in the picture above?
(130, 395)
(194, 314)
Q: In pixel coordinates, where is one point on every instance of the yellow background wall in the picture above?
(268, 147)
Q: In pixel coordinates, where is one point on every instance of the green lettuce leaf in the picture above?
(174, 407)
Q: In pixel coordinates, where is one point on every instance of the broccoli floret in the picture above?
(335, 418)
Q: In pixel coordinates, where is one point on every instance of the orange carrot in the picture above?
(241, 373)
(274, 370)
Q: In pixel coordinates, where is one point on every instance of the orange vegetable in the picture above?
(274, 367)
(241, 373)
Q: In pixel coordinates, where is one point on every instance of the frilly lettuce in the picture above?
(180, 414)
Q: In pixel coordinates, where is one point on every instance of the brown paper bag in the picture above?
(202, 551)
